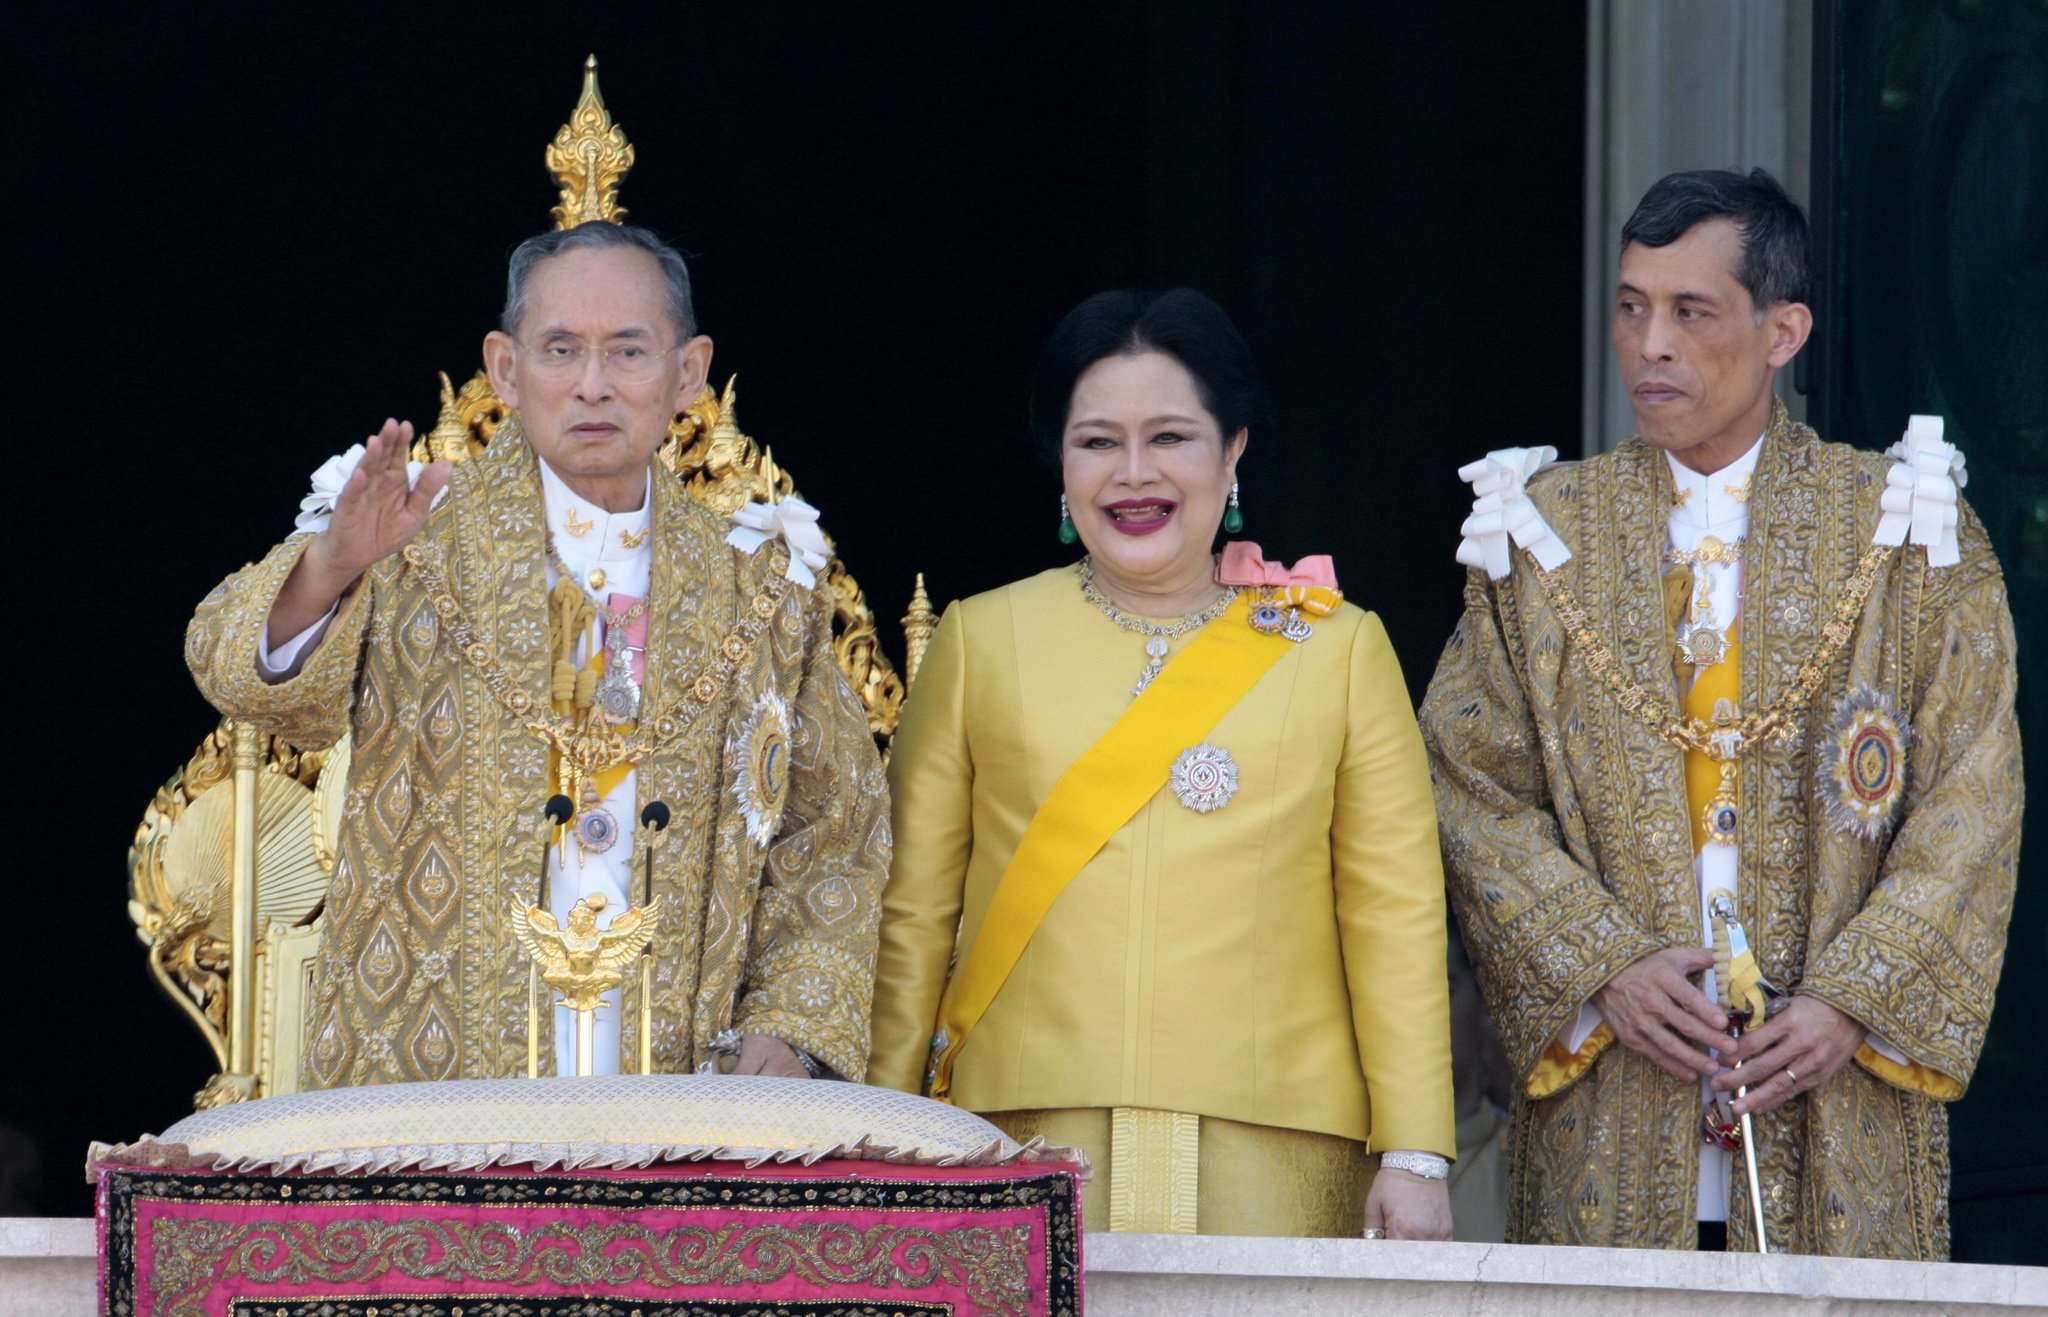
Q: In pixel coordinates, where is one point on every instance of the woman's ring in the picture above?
(1375, 1232)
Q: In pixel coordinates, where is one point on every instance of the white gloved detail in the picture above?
(793, 521)
(1503, 510)
(1920, 496)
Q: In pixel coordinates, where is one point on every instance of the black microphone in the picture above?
(653, 815)
(557, 812)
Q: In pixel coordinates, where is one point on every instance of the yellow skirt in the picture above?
(1168, 1172)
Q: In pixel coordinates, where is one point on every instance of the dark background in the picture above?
(253, 235)
(1930, 203)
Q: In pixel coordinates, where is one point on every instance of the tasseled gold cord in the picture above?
(1723, 955)
(570, 615)
(1678, 583)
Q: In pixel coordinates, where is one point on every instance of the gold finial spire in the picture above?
(918, 625)
(589, 159)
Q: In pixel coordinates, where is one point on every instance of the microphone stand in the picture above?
(653, 826)
(554, 815)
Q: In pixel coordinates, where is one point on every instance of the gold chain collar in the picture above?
(1721, 740)
(588, 746)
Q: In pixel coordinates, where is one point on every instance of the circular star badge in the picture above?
(1204, 778)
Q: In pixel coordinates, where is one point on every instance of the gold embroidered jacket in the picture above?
(1569, 850)
(419, 974)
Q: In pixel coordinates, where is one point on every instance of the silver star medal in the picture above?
(1204, 778)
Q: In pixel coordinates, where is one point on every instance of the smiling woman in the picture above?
(1200, 921)
(1145, 404)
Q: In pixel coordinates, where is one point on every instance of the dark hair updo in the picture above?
(1180, 322)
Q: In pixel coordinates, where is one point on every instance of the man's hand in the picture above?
(1656, 1012)
(376, 512)
(762, 1055)
(1407, 1206)
(374, 515)
(1799, 1048)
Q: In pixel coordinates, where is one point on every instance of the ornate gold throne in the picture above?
(229, 867)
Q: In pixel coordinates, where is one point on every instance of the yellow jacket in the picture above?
(1279, 961)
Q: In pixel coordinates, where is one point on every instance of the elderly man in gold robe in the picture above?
(1729, 667)
(567, 620)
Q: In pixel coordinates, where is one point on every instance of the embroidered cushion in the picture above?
(575, 1123)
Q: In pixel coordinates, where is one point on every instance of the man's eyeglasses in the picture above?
(564, 358)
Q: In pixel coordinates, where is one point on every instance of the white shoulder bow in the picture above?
(793, 521)
(1920, 493)
(1502, 510)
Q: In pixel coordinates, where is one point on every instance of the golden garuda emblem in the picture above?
(578, 959)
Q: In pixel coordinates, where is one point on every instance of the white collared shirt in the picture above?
(587, 539)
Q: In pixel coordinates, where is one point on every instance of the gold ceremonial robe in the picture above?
(1277, 962)
(1569, 850)
(769, 930)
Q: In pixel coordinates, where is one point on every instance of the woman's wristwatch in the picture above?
(1425, 1164)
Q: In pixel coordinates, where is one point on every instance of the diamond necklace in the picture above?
(1157, 634)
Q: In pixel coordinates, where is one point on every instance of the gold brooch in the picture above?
(631, 541)
(577, 528)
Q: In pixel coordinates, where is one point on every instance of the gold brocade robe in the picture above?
(419, 975)
(1569, 851)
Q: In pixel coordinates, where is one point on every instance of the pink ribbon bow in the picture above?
(636, 633)
(1242, 565)
(1311, 584)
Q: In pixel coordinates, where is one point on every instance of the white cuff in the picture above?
(284, 660)
(1575, 1034)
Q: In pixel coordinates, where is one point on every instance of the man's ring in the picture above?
(1375, 1232)
(1789, 1075)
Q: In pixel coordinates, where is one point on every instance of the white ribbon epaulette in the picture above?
(1920, 494)
(1503, 510)
(792, 521)
(316, 509)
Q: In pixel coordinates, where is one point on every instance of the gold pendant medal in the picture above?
(596, 829)
(1702, 645)
(1721, 815)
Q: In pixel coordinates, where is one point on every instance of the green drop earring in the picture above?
(1067, 532)
(1233, 519)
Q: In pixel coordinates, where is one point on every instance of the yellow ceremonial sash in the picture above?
(1096, 796)
(1716, 682)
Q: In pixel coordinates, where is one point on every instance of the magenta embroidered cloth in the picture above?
(702, 1239)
